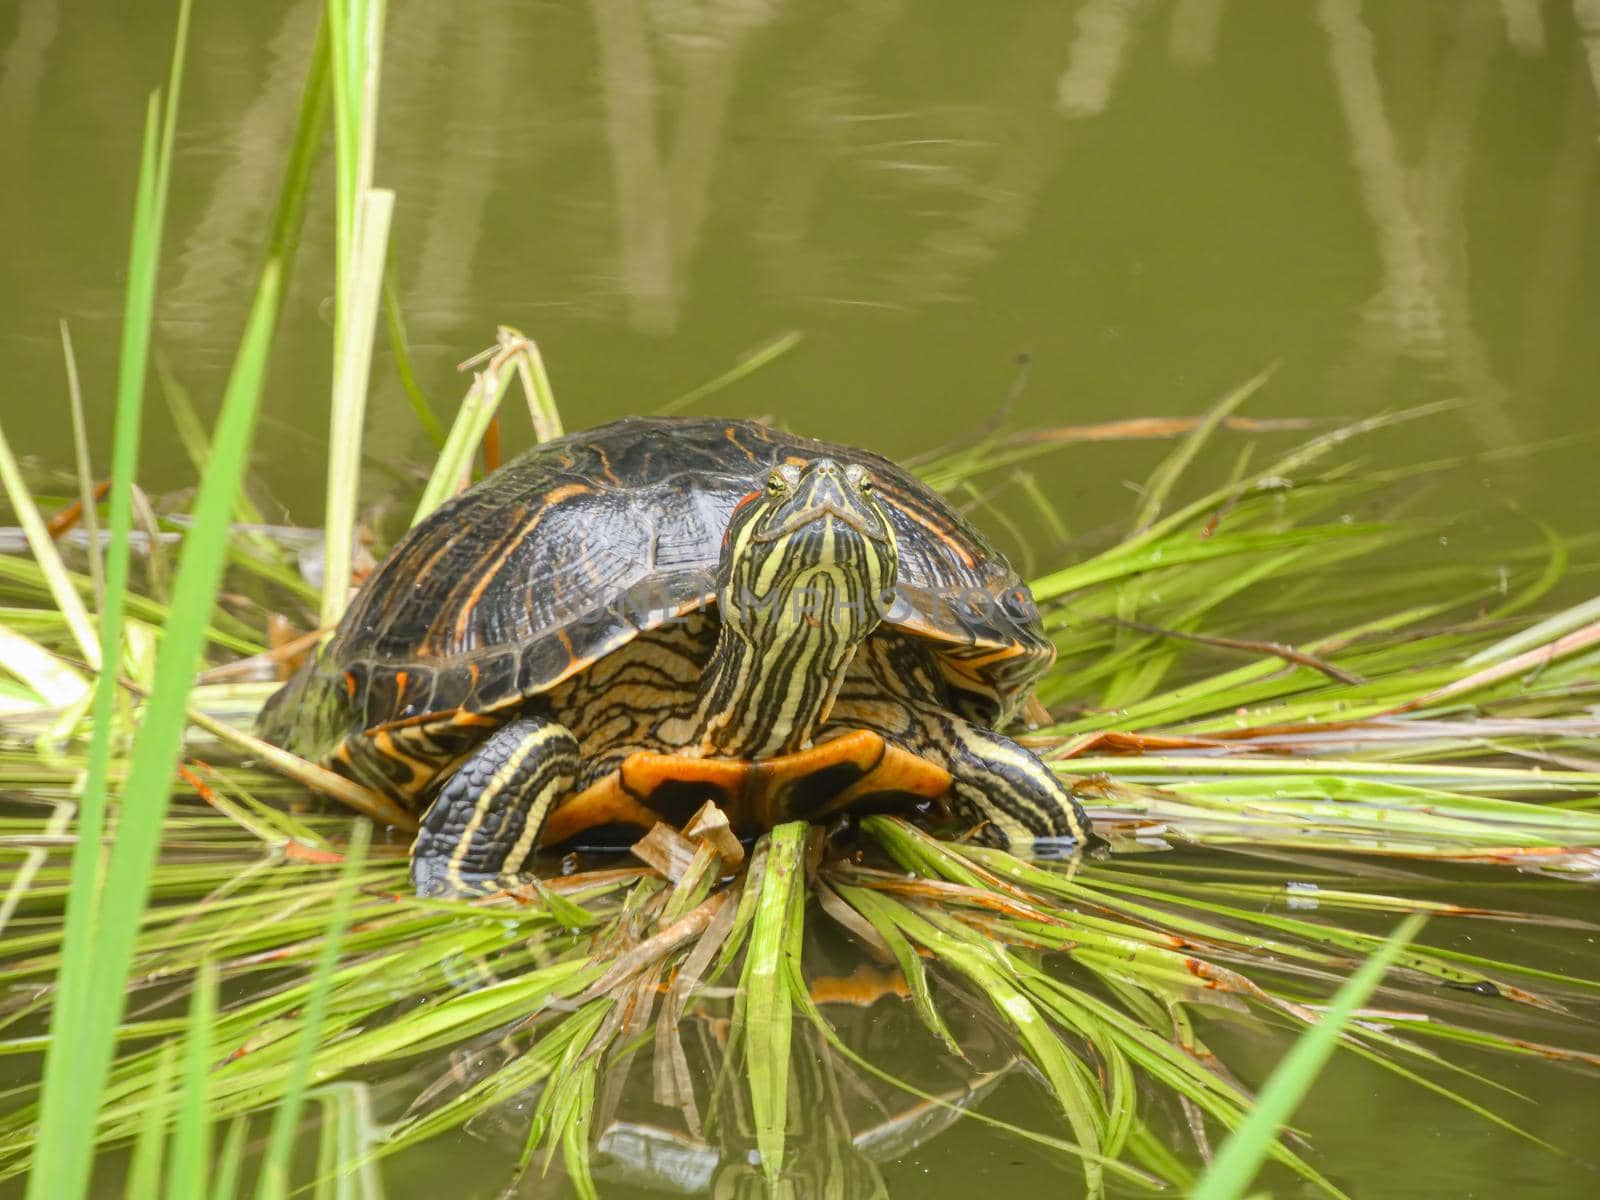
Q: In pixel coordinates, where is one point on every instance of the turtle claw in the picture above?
(432, 880)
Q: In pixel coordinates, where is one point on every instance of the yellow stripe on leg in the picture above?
(497, 784)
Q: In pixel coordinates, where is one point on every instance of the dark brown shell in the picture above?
(576, 546)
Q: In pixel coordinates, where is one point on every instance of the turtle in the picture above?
(621, 624)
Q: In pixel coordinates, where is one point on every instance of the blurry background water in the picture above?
(1395, 201)
(1154, 200)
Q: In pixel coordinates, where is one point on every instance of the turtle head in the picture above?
(812, 548)
(808, 565)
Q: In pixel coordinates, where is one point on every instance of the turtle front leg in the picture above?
(1007, 793)
(487, 818)
(1016, 801)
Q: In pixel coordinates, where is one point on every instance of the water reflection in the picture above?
(1587, 15)
(1020, 154)
(846, 1125)
(1421, 308)
(1561, 231)
(1196, 25)
(1096, 57)
(471, 149)
(820, 95)
(663, 198)
(241, 187)
(21, 70)
(1155, 199)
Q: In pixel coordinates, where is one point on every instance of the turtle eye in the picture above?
(777, 485)
(856, 475)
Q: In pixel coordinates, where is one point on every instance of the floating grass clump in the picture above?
(298, 968)
(216, 988)
(1091, 972)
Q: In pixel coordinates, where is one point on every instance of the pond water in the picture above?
(1152, 201)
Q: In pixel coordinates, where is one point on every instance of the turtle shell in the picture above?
(578, 545)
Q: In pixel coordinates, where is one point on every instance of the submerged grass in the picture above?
(280, 977)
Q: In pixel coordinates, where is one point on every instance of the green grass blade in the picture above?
(1241, 1156)
(748, 364)
(482, 401)
(574, 1125)
(274, 1178)
(1165, 477)
(289, 214)
(361, 223)
(229, 1159)
(51, 679)
(61, 1165)
(169, 117)
(766, 1001)
(1550, 629)
(194, 439)
(400, 345)
(80, 449)
(347, 1168)
(144, 1171)
(536, 388)
(353, 363)
(146, 792)
(68, 603)
(873, 908)
(355, 29)
(191, 1140)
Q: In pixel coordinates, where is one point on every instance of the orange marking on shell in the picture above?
(491, 570)
(732, 435)
(941, 531)
(350, 683)
(452, 716)
(605, 464)
(566, 492)
(726, 533)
